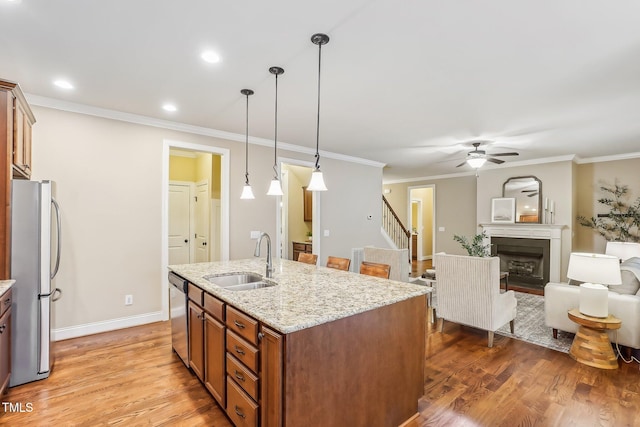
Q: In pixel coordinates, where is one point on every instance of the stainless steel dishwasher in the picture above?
(178, 296)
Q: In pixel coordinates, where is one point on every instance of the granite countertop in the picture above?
(305, 295)
(5, 285)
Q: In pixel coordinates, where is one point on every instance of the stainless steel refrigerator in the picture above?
(35, 258)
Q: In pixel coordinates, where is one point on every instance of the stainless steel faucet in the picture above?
(257, 252)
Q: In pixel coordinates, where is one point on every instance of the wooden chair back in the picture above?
(307, 258)
(375, 269)
(338, 263)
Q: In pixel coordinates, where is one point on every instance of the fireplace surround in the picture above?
(534, 233)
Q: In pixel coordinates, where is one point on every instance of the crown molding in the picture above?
(611, 158)
(89, 110)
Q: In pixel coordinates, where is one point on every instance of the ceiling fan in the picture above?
(476, 158)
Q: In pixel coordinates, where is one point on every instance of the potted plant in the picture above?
(476, 247)
(309, 236)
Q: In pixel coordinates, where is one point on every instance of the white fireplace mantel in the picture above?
(551, 232)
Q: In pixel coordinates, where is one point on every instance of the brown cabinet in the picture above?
(414, 246)
(271, 372)
(307, 197)
(22, 123)
(207, 342)
(196, 339)
(214, 349)
(5, 341)
(299, 247)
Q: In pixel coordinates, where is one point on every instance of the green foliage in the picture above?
(622, 223)
(476, 247)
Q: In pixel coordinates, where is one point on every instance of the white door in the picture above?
(202, 222)
(179, 221)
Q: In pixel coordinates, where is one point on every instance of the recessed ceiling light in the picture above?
(169, 107)
(210, 56)
(63, 84)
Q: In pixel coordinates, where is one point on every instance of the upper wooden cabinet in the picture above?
(19, 121)
(307, 197)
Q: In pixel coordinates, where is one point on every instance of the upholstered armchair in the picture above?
(469, 293)
(398, 259)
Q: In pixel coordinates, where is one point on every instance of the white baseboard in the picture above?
(426, 257)
(105, 326)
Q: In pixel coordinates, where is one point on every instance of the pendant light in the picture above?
(317, 181)
(275, 189)
(247, 192)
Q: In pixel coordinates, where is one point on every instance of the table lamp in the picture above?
(596, 270)
(623, 250)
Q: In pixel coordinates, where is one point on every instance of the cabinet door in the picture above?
(307, 196)
(5, 350)
(214, 369)
(196, 339)
(21, 141)
(271, 377)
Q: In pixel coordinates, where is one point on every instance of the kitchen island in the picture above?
(321, 347)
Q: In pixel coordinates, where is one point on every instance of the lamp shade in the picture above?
(597, 270)
(247, 192)
(317, 182)
(275, 189)
(476, 162)
(623, 250)
(594, 268)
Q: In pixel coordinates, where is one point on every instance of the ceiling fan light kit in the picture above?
(477, 158)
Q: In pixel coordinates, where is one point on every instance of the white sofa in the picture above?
(561, 297)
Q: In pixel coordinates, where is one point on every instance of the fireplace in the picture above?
(549, 235)
(526, 260)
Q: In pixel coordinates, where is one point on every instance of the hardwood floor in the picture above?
(131, 377)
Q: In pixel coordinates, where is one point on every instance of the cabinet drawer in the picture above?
(242, 325)
(196, 294)
(245, 378)
(299, 247)
(242, 350)
(5, 302)
(214, 306)
(240, 408)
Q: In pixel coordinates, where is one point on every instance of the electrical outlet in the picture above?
(128, 299)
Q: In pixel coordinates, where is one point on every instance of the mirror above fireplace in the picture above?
(527, 190)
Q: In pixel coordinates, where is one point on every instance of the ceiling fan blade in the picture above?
(529, 191)
(496, 161)
(532, 194)
(505, 154)
(462, 164)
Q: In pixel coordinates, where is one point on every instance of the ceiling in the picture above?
(408, 84)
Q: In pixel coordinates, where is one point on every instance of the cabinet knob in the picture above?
(260, 336)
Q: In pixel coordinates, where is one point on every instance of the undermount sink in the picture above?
(239, 281)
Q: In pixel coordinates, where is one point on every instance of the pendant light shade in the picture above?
(247, 192)
(317, 180)
(275, 189)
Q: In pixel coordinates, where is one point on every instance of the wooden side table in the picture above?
(591, 344)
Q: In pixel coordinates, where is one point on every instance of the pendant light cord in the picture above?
(275, 141)
(318, 117)
(246, 147)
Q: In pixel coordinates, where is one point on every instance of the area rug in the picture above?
(530, 327)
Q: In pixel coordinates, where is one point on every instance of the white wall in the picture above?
(109, 182)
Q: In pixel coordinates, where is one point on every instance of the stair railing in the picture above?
(398, 233)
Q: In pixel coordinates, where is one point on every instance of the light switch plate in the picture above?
(440, 228)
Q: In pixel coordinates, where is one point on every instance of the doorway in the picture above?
(299, 211)
(207, 206)
(421, 211)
